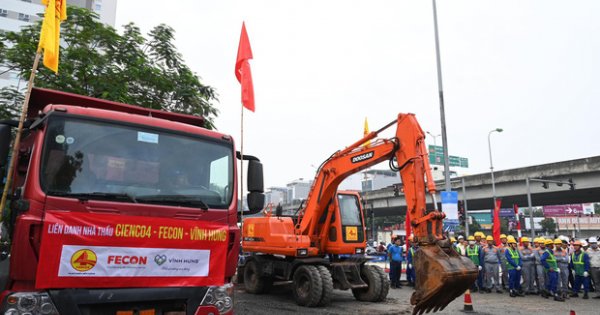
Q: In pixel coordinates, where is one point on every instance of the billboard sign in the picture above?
(567, 210)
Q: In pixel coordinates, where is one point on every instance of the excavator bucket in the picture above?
(441, 276)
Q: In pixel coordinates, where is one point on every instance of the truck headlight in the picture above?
(22, 303)
(220, 297)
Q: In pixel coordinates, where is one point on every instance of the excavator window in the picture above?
(349, 210)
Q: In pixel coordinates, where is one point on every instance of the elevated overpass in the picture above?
(510, 186)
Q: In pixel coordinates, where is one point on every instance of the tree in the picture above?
(96, 61)
(548, 225)
(597, 208)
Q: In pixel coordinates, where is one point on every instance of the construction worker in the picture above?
(594, 253)
(396, 258)
(528, 271)
(475, 253)
(410, 270)
(502, 248)
(454, 244)
(580, 263)
(562, 260)
(539, 268)
(482, 241)
(491, 258)
(514, 265)
(551, 267)
(461, 246)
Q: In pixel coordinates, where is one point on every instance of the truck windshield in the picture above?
(349, 210)
(104, 160)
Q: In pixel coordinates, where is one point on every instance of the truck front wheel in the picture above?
(308, 286)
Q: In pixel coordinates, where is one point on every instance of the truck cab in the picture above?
(118, 209)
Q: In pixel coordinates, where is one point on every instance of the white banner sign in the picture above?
(106, 261)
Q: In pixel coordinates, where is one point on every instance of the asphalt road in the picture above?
(281, 302)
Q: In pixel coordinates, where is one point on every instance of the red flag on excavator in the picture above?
(242, 70)
(496, 223)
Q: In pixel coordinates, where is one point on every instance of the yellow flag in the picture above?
(366, 132)
(56, 11)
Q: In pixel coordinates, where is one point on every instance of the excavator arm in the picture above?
(442, 274)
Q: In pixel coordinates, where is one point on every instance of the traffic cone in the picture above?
(468, 304)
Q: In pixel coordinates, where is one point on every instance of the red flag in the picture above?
(242, 70)
(496, 224)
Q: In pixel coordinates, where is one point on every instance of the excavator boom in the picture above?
(442, 274)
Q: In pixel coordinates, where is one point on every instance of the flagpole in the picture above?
(242, 168)
(17, 141)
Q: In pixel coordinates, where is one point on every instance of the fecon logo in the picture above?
(127, 260)
(362, 157)
(83, 260)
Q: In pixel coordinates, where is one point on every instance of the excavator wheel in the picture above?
(441, 276)
(308, 286)
(327, 285)
(385, 284)
(253, 281)
(372, 278)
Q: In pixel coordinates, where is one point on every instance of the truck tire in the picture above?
(253, 281)
(373, 280)
(308, 286)
(385, 284)
(327, 285)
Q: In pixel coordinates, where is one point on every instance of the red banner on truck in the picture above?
(85, 250)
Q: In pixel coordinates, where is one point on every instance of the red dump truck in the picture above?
(118, 209)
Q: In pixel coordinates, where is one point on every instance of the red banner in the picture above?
(85, 250)
(496, 223)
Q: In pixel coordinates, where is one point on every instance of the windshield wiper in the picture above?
(95, 195)
(181, 200)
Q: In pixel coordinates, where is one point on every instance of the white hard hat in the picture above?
(592, 240)
(584, 243)
(563, 238)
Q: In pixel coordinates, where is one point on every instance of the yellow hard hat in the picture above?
(471, 238)
(525, 239)
(452, 239)
(548, 242)
(511, 239)
(557, 242)
(502, 235)
(541, 240)
(477, 234)
(489, 238)
(482, 235)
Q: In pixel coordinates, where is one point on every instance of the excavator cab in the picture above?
(344, 230)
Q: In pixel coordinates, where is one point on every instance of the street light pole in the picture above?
(491, 164)
(441, 97)
(434, 138)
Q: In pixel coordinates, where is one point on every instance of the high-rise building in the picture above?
(14, 14)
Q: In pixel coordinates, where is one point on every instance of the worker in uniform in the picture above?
(396, 258)
(562, 260)
(539, 268)
(475, 253)
(551, 267)
(461, 246)
(410, 270)
(580, 263)
(528, 271)
(502, 248)
(594, 254)
(491, 258)
(514, 265)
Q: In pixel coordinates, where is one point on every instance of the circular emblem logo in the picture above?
(83, 260)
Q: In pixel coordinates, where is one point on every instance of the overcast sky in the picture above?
(321, 67)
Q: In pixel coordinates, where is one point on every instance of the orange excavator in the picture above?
(307, 251)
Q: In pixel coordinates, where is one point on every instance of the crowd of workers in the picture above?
(548, 267)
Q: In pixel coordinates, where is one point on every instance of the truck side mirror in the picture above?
(4, 144)
(256, 198)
